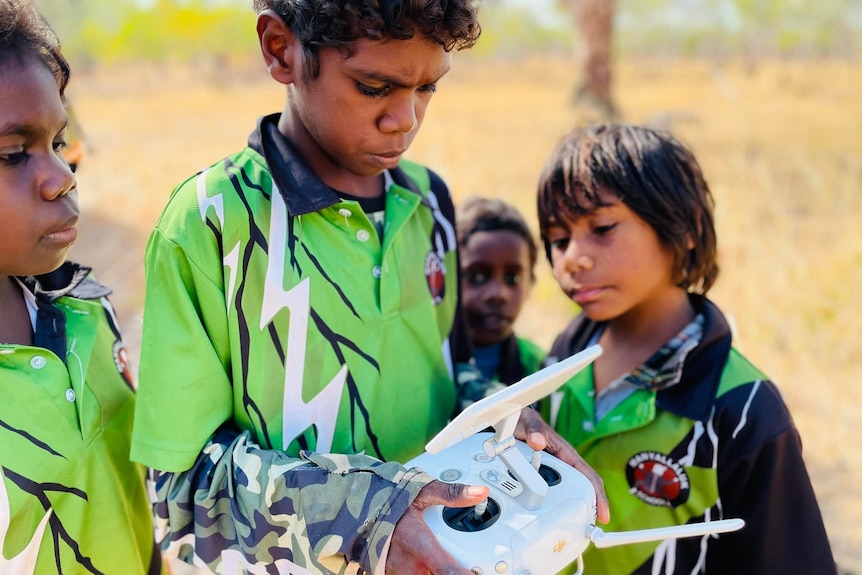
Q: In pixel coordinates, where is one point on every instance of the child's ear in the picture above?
(689, 242)
(278, 46)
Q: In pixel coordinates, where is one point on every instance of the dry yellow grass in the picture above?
(781, 145)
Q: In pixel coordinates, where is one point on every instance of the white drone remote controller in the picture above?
(540, 515)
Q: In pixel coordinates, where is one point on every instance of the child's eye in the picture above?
(475, 278)
(13, 159)
(372, 92)
(603, 230)
(560, 244)
(59, 146)
(429, 88)
(512, 279)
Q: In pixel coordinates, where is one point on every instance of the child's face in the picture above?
(38, 200)
(363, 111)
(611, 263)
(496, 276)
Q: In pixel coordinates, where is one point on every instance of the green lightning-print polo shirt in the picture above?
(70, 499)
(273, 304)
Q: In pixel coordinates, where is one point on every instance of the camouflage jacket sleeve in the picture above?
(243, 509)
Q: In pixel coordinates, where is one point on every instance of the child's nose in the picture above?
(57, 178)
(401, 116)
(496, 291)
(576, 258)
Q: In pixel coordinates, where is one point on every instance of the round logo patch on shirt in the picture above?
(658, 480)
(435, 273)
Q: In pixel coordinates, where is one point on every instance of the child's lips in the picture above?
(66, 235)
(585, 295)
(388, 159)
(495, 322)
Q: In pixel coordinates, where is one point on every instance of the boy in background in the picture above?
(498, 257)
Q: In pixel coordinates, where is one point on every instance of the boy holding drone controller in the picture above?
(300, 325)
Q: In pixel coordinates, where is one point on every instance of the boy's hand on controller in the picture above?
(539, 436)
(414, 548)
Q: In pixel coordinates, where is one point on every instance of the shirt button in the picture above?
(362, 235)
(37, 362)
(70, 395)
(376, 272)
(345, 212)
(588, 426)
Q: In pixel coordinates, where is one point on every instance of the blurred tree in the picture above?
(595, 22)
(85, 25)
(95, 31)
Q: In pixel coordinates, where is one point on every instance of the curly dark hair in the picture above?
(653, 174)
(478, 214)
(451, 23)
(25, 35)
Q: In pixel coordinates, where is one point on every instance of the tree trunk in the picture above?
(595, 20)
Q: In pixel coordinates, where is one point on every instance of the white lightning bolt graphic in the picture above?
(216, 203)
(231, 261)
(25, 562)
(204, 203)
(322, 411)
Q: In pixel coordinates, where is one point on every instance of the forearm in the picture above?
(251, 506)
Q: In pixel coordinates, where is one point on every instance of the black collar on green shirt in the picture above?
(303, 191)
(70, 279)
(694, 395)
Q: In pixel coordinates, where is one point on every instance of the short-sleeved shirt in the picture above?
(70, 499)
(272, 304)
